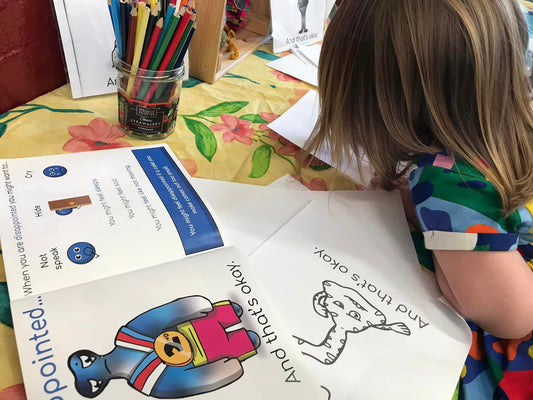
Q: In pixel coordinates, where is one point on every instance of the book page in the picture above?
(197, 326)
(73, 218)
(347, 282)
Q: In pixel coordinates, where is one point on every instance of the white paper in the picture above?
(251, 214)
(88, 40)
(297, 124)
(297, 68)
(296, 22)
(348, 277)
(311, 53)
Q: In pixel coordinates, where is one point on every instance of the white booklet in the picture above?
(122, 286)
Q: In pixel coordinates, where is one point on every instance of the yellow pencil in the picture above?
(142, 20)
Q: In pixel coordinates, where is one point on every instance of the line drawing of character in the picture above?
(175, 350)
(350, 313)
(302, 5)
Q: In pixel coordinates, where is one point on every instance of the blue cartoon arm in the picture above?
(167, 316)
(181, 382)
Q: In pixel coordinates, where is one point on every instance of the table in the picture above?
(247, 98)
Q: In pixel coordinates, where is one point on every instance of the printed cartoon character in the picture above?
(350, 312)
(54, 171)
(175, 350)
(81, 253)
(302, 5)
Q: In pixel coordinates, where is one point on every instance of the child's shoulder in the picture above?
(441, 185)
(441, 163)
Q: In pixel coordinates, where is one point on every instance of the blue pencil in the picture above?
(115, 18)
(185, 47)
(168, 15)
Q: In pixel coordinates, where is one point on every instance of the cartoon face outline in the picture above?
(346, 307)
(54, 171)
(81, 252)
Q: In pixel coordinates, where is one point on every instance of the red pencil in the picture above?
(153, 42)
(175, 41)
(170, 52)
(131, 33)
(145, 62)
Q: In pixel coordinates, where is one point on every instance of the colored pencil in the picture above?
(169, 13)
(185, 48)
(124, 17)
(176, 39)
(142, 21)
(132, 32)
(169, 54)
(154, 12)
(145, 62)
(165, 40)
(115, 17)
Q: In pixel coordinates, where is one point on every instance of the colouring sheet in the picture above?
(346, 281)
(296, 22)
(196, 327)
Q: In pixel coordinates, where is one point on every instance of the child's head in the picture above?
(398, 78)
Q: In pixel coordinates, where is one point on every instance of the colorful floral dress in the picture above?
(459, 209)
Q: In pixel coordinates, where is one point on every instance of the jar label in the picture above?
(146, 119)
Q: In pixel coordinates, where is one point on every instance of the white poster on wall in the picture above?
(296, 22)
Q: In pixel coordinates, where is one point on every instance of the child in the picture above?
(441, 86)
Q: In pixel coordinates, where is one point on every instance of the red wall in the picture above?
(31, 60)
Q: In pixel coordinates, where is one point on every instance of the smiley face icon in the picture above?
(81, 253)
(54, 171)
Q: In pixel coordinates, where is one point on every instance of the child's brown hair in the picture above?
(398, 78)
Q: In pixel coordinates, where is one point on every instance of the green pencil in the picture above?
(175, 56)
(161, 49)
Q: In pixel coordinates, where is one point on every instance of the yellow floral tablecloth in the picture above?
(221, 133)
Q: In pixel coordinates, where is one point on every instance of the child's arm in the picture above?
(492, 288)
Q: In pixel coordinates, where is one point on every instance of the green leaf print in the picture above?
(3, 128)
(253, 118)
(261, 161)
(5, 309)
(205, 140)
(226, 107)
(320, 167)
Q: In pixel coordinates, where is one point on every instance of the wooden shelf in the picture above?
(206, 62)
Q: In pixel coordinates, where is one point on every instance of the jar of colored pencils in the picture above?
(147, 99)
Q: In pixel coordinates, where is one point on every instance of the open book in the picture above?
(121, 286)
(124, 285)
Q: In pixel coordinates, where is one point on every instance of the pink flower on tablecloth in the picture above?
(288, 147)
(298, 94)
(317, 184)
(234, 129)
(190, 166)
(98, 135)
(284, 77)
(15, 392)
(269, 117)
